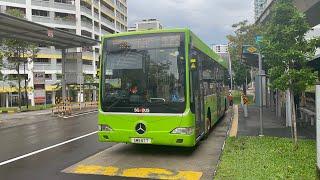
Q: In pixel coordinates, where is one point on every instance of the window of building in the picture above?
(86, 62)
(41, 61)
(64, 1)
(48, 76)
(36, 12)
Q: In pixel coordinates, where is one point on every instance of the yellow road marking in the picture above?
(234, 126)
(155, 173)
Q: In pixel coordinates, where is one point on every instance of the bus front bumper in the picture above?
(157, 138)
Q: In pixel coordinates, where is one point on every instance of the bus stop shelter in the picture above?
(17, 28)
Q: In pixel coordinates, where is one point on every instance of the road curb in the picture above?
(7, 112)
(224, 143)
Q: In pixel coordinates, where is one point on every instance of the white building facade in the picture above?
(89, 18)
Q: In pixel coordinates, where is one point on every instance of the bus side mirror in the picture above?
(98, 73)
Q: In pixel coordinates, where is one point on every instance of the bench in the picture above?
(307, 115)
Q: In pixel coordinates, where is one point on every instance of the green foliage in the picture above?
(267, 158)
(244, 35)
(15, 12)
(286, 50)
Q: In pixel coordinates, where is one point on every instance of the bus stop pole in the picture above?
(63, 80)
(261, 94)
(318, 125)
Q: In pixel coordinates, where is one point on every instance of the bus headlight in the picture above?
(185, 131)
(104, 128)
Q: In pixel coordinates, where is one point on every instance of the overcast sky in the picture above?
(209, 19)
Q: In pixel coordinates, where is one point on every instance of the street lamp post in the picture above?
(260, 97)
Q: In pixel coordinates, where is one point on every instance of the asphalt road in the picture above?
(24, 139)
(56, 144)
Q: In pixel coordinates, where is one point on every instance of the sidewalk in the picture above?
(271, 126)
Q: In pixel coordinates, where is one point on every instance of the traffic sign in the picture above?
(248, 49)
(259, 39)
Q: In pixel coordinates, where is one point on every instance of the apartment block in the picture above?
(89, 18)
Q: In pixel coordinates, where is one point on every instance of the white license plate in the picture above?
(141, 140)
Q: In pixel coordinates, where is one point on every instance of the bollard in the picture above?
(245, 105)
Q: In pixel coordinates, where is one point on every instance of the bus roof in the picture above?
(197, 42)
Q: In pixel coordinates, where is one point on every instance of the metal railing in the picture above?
(97, 30)
(56, 5)
(86, 10)
(86, 68)
(15, 1)
(64, 6)
(42, 19)
(104, 32)
(65, 21)
(96, 16)
(86, 24)
(107, 10)
(40, 3)
(107, 22)
(95, 2)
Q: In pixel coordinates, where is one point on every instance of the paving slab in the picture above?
(158, 162)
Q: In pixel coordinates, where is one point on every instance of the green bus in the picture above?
(160, 87)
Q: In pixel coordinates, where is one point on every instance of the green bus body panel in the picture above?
(158, 126)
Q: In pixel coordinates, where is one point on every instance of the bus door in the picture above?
(197, 95)
(219, 93)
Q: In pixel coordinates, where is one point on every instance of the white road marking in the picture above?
(76, 115)
(45, 149)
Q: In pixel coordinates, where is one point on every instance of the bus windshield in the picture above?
(144, 74)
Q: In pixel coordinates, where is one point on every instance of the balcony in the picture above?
(87, 68)
(96, 3)
(41, 19)
(107, 11)
(40, 3)
(96, 16)
(86, 24)
(15, 1)
(86, 11)
(65, 21)
(106, 21)
(46, 67)
(64, 6)
(109, 1)
(57, 5)
(43, 50)
(104, 32)
(97, 30)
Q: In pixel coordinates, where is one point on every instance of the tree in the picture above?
(287, 51)
(244, 34)
(17, 52)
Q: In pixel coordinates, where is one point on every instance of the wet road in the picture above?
(24, 139)
(44, 149)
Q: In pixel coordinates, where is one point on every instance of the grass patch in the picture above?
(267, 158)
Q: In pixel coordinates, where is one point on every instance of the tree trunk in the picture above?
(293, 119)
(244, 89)
(19, 86)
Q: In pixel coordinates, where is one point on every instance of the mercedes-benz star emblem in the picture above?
(141, 128)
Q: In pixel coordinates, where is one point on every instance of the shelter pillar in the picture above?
(63, 80)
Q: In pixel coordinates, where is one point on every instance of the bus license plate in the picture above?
(141, 140)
